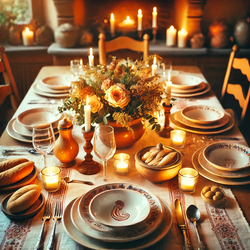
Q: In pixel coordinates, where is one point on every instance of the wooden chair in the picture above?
(122, 42)
(236, 89)
(9, 85)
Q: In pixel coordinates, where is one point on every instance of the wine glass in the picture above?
(104, 145)
(43, 140)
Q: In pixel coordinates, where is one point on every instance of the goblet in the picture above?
(43, 140)
(104, 145)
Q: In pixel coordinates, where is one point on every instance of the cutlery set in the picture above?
(20, 151)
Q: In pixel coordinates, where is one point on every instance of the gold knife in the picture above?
(182, 225)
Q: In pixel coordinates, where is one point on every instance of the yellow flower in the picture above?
(118, 96)
(95, 103)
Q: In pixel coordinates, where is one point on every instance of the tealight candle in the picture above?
(91, 58)
(112, 24)
(182, 38)
(178, 138)
(187, 179)
(169, 86)
(171, 36)
(139, 15)
(154, 18)
(51, 177)
(121, 164)
(87, 115)
(154, 67)
(28, 37)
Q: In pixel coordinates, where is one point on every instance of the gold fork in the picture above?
(46, 216)
(57, 216)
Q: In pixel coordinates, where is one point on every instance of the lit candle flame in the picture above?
(171, 27)
(154, 9)
(128, 18)
(112, 16)
(27, 29)
(139, 12)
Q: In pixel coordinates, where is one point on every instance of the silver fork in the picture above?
(46, 216)
(57, 216)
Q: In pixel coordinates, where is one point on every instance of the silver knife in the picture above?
(181, 224)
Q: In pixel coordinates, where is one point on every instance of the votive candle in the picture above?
(28, 37)
(112, 24)
(121, 163)
(171, 36)
(187, 179)
(139, 15)
(182, 38)
(87, 114)
(154, 67)
(178, 138)
(91, 58)
(51, 177)
(154, 18)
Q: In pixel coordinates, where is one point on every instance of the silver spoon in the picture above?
(69, 180)
(193, 214)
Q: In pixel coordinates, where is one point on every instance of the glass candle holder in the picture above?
(178, 138)
(122, 164)
(187, 179)
(51, 177)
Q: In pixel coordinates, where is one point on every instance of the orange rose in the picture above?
(95, 103)
(118, 96)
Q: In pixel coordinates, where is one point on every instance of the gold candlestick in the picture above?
(165, 132)
(88, 166)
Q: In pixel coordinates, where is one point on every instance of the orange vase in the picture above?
(123, 137)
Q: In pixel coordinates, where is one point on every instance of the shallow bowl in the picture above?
(227, 156)
(119, 208)
(184, 81)
(56, 82)
(158, 174)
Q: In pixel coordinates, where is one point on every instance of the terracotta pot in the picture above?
(125, 138)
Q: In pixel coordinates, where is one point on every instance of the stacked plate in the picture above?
(202, 119)
(54, 86)
(20, 128)
(117, 216)
(184, 85)
(224, 162)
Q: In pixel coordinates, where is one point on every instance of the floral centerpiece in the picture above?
(121, 93)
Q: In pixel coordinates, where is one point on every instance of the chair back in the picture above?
(122, 42)
(8, 86)
(236, 89)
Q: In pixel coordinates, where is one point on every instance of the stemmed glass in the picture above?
(43, 140)
(104, 145)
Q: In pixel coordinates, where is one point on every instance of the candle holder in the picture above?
(154, 31)
(122, 164)
(51, 177)
(187, 179)
(140, 33)
(165, 132)
(88, 166)
(178, 138)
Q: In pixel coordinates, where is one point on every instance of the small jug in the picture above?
(66, 148)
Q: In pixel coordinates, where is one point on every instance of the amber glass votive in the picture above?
(51, 177)
(187, 179)
(122, 164)
(178, 138)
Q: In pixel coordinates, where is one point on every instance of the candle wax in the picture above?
(154, 18)
(171, 36)
(182, 38)
(28, 37)
(91, 58)
(112, 24)
(122, 167)
(139, 19)
(187, 182)
(87, 113)
(52, 182)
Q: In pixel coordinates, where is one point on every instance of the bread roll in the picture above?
(23, 198)
(167, 159)
(7, 164)
(16, 173)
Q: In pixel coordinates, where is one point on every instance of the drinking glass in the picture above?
(104, 145)
(43, 140)
(76, 69)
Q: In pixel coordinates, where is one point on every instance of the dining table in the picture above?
(220, 228)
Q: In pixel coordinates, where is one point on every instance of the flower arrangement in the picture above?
(120, 92)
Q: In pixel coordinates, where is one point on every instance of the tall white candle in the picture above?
(154, 67)
(139, 20)
(87, 113)
(182, 38)
(28, 37)
(154, 18)
(112, 24)
(91, 58)
(171, 36)
(169, 86)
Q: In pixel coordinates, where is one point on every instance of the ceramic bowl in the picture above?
(202, 114)
(185, 81)
(31, 117)
(158, 174)
(227, 156)
(56, 82)
(119, 208)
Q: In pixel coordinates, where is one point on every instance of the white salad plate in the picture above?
(185, 81)
(188, 123)
(94, 229)
(200, 87)
(89, 242)
(34, 116)
(119, 208)
(57, 82)
(215, 178)
(44, 88)
(227, 156)
(227, 174)
(202, 114)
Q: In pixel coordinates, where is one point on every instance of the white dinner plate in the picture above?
(185, 81)
(217, 124)
(227, 174)
(204, 91)
(217, 179)
(143, 243)
(44, 88)
(57, 82)
(96, 230)
(177, 125)
(43, 93)
(200, 87)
